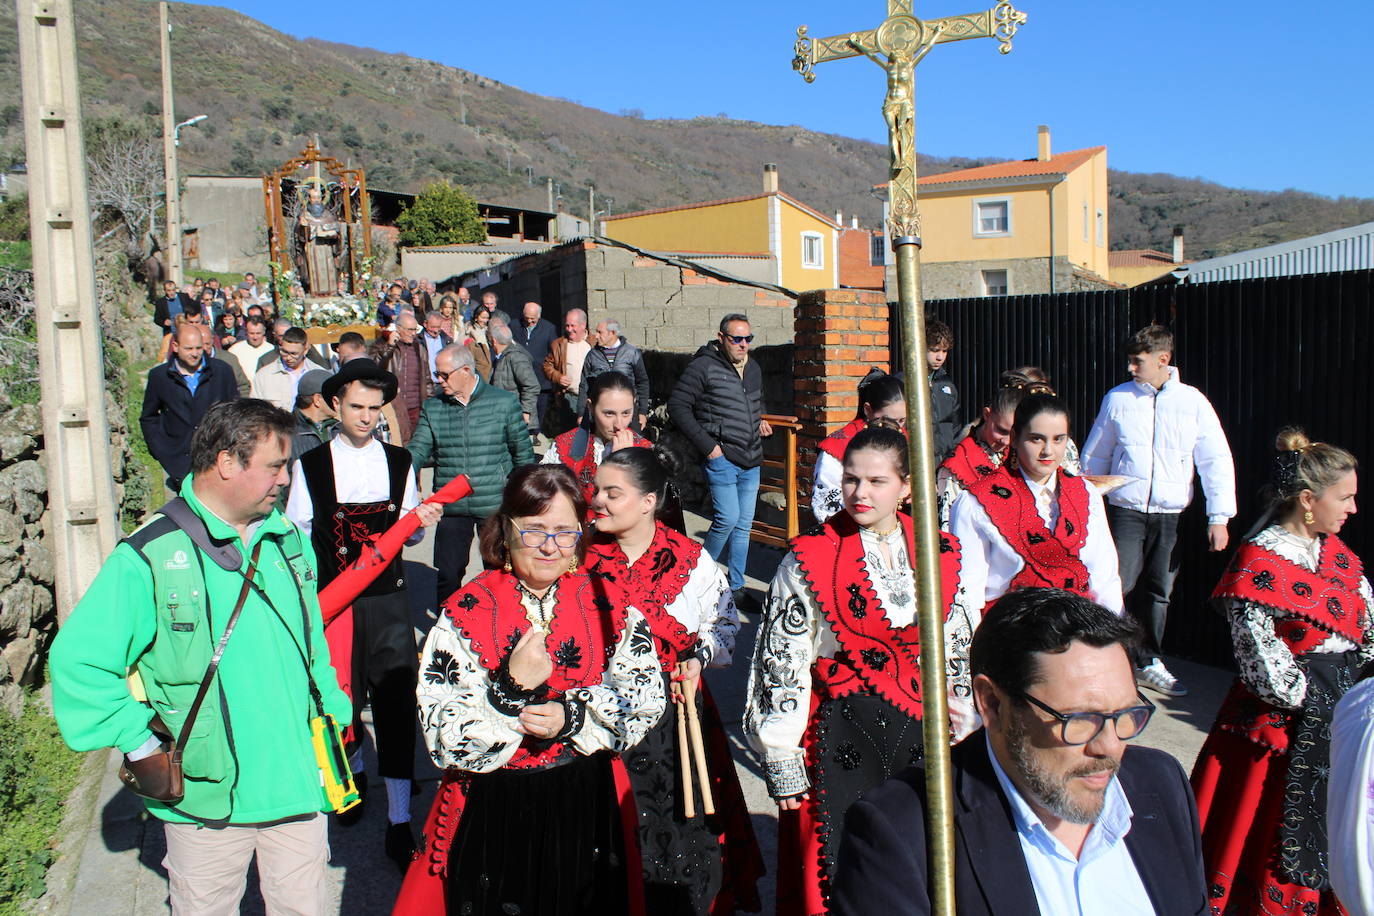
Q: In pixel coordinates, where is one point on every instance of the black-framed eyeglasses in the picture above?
(443, 376)
(1079, 728)
(537, 539)
(740, 338)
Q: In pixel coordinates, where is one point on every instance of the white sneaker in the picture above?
(1156, 677)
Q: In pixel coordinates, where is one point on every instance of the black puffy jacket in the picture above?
(713, 406)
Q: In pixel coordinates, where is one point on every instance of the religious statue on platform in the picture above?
(321, 240)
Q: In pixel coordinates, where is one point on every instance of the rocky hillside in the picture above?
(410, 120)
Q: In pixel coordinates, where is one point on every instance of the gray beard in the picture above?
(1049, 790)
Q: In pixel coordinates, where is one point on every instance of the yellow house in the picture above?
(803, 243)
(1014, 228)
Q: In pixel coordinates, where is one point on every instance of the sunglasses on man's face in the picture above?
(738, 339)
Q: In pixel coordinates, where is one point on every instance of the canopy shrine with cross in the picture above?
(897, 45)
(319, 244)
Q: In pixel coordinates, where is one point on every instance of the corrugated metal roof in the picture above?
(1330, 252)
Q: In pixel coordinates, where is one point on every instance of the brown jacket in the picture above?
(481, 358)
(555, 362)
(412, 392)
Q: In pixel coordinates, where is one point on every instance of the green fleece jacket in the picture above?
(484, 439)
(249, 759)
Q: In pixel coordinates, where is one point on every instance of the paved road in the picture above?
(119, 873)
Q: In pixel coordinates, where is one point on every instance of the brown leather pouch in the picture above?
(157, 776)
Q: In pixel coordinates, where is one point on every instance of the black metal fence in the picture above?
(1267, 353)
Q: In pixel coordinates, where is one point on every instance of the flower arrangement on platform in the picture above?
(331, 312)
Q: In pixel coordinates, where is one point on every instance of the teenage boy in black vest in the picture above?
(344, 494)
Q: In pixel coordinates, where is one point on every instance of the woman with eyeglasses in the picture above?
(834, 700)
(881, 398)
(699, 864)
(532, 684)
(1299, 607)
(1029, 523)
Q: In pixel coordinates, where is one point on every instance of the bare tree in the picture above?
(18, 347)
(125, 184)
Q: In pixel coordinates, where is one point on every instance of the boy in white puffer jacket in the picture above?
(1157, 432)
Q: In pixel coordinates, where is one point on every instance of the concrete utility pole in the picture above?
(169, 151)
(83, 518)
(591, 209)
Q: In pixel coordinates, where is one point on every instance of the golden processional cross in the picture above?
(897, 45)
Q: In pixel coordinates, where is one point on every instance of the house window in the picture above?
(991, 218)
(813, 252)
(1087, 223)
(994, 283)
(1101, 228)
(877, 251)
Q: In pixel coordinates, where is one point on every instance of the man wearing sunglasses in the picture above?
(1052, 814)
(718, 404)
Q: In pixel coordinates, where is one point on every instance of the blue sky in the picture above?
(1254, 95)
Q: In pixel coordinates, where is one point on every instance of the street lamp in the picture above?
(189, 122)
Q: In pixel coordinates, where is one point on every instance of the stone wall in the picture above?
(660, 306)
(1025, 277)
(28, 618)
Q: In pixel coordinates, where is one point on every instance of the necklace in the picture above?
(539, 605)
(888, 532)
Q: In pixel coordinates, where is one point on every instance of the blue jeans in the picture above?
(733, 492)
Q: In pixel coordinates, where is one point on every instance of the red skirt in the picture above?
(1239, 787)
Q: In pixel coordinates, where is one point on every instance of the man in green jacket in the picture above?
(157, 610)
(468, 428)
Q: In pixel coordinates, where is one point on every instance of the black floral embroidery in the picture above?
(664, 559)
(1035, 537)
(1263, 579)
(513, 640)
(1302, 589)
(858, 604)
(468, 601)
(848, 756)
(984, 470)
(1001, 492)
(1068, 527)
(876, 658)
(1333, 604)
(1342, 561)
(568, 654)
(443, 668)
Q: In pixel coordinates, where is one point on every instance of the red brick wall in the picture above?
(855, 254)
(839, 336)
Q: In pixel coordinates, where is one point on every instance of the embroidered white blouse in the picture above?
(706, 607)
(463, 729)
(1267, 667)
(794, 633)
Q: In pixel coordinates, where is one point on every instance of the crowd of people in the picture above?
(562, 690)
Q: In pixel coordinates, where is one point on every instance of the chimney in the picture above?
(770, 177)
(853, 222)
(839, 218)
(1043, 154)
(1178, 244)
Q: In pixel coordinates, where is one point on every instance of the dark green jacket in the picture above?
(486, 440)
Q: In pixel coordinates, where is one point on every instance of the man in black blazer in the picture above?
(172, 303)
(1044, 793)
(536, 335)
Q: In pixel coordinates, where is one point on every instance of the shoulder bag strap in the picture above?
(214, 659)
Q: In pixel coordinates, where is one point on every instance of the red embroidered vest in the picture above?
(581, 439)
(970, 462)
(835, 443)
(874, 656)
(652, 583)
(584, 631)
(1311, 607)
(1051, 557)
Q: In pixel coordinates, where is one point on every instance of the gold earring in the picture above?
(572, 567)
(505, 567)
(1308, 518)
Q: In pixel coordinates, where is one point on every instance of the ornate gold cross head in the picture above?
(903, 39)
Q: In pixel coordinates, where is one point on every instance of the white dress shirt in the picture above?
(1350, 805)
(1102, 880)
(989, 563)
(360, 476)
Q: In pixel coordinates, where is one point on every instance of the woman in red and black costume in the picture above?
(834, 699)
(605, 429)
(532, 684)
(881, 398)
(1299, 607)
(987, 445)
(1030, 523)
(703, 864)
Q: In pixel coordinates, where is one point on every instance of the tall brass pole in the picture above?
(169, 151)
(897, 45)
